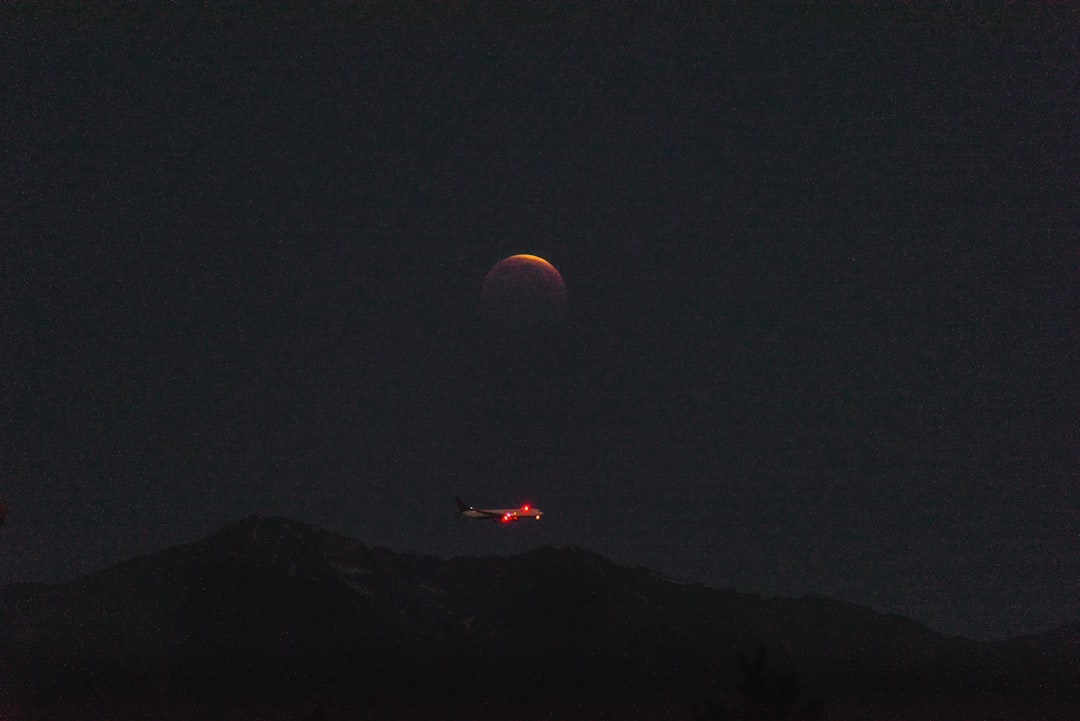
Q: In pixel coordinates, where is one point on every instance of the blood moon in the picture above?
(524, 289)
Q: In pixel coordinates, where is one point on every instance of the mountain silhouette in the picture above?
(285, 612)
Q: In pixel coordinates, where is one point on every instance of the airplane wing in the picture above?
(478, 513)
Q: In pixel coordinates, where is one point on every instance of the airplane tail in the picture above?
(461, 505)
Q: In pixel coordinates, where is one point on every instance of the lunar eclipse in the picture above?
(524, 289)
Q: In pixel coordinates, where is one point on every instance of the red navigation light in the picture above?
(525, 507)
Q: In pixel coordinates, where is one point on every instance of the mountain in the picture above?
(284, 612)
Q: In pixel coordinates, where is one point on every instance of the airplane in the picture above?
(499, 515)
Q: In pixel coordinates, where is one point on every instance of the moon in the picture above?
(524, 289)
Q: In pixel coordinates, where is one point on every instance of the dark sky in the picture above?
(823, 271)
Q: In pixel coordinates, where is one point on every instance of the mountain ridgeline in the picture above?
(274, 609)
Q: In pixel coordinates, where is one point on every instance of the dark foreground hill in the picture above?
(275, 615)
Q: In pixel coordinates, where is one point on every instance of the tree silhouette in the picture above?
(317, 715)
(763, 694)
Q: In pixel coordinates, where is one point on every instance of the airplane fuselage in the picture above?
(500, 515)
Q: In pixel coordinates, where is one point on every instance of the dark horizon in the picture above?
(821, 333)
(273, 613)
(524, 550)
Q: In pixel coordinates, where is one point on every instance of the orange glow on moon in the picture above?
(524, 288)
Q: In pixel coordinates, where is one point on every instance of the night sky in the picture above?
(822, 331)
